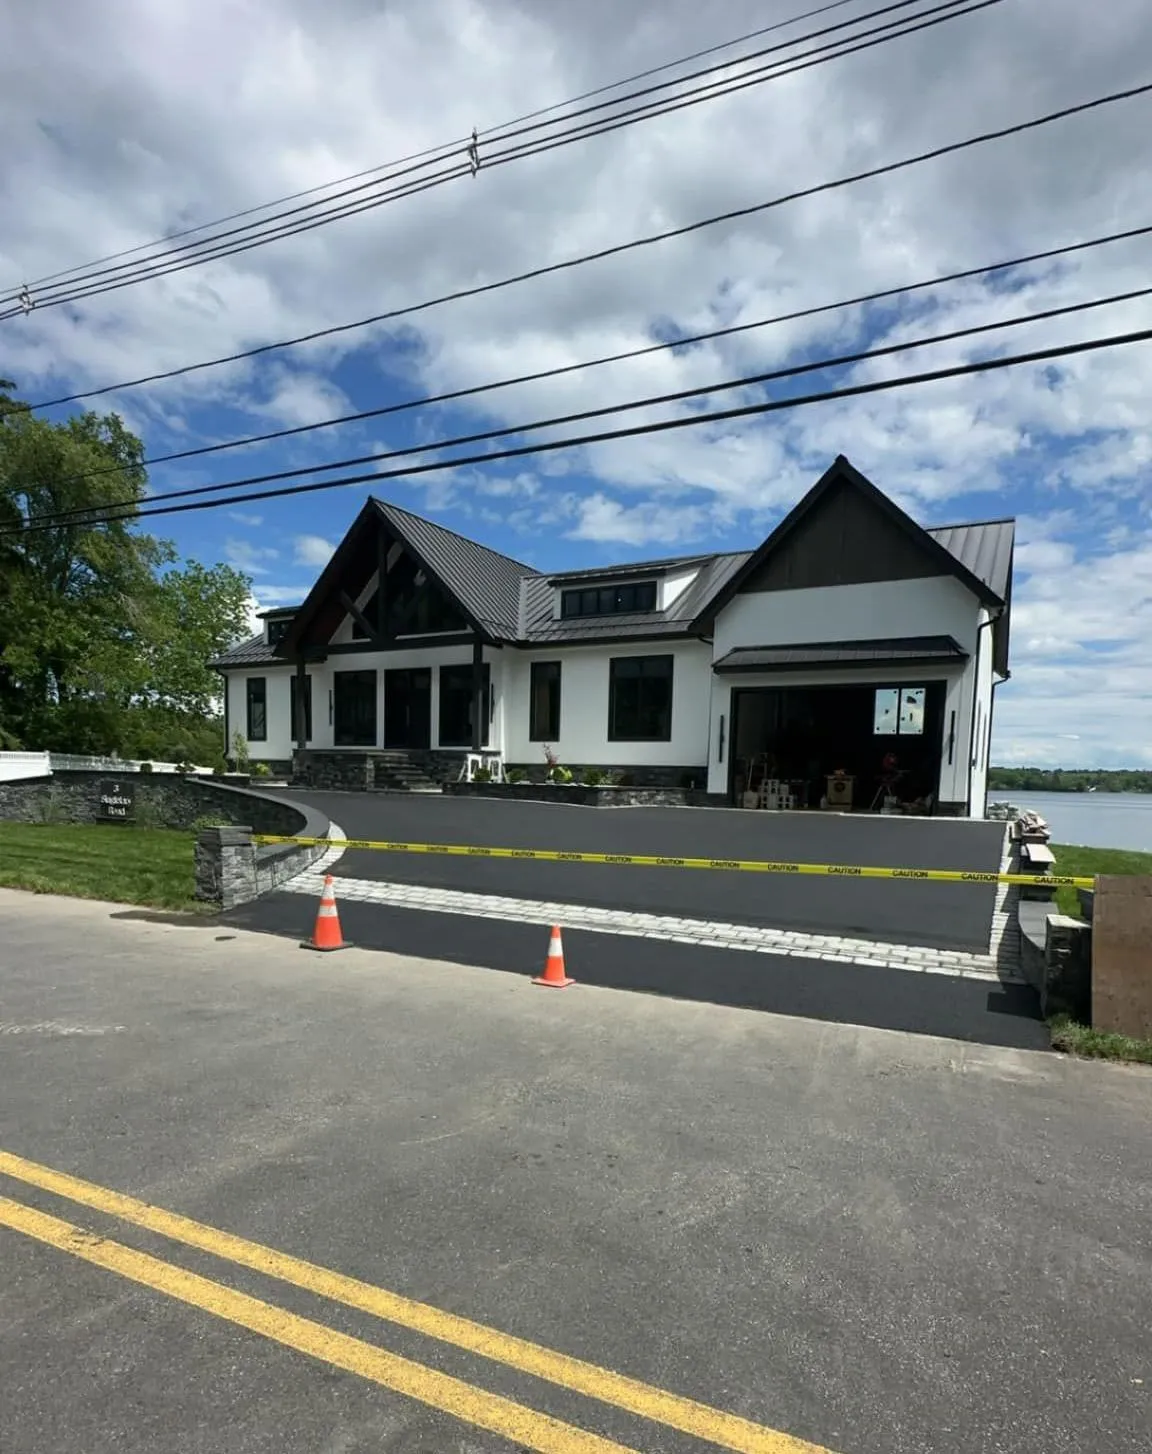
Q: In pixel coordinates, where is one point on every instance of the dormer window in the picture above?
(608, 600)
(277, 630)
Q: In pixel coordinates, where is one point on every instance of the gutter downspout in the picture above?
(972, 747)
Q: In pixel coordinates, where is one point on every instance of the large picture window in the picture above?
(257, 709)
(456, 706)
(640, 699)
(294, 685)
(544, 713)
(609, 600)
(899, 712)
(354, 708)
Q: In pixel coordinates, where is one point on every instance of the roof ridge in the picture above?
(456, 534)
(971, 524)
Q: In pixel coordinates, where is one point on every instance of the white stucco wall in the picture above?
(281, 733)
(584, 678)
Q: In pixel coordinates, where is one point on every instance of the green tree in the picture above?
(197, 613)
(104, 638)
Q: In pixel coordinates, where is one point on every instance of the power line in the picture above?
(613, 251)
(1045, 355)
(687, 341)
(84, 514)
(140, 269)
(444, 147)
(651, 110)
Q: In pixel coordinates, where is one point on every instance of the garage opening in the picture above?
(872, 747)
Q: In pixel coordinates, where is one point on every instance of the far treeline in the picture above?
(104, 631)
(1069, 780)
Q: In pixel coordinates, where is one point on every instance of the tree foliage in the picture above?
(1069, 780)
(104, 635)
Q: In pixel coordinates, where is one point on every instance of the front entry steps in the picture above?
(394, 771)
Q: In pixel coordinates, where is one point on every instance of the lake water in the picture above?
(1096, 820)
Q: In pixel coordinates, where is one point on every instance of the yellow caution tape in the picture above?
(644, 860)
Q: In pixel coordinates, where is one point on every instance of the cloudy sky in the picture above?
(128, 120)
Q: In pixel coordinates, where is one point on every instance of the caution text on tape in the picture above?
(644, 860)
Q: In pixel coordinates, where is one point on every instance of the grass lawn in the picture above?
(121, 863)
(1076, 1039)
(1088, 863)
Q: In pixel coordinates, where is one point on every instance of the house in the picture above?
(851, 642)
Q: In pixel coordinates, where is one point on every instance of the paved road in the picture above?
(873, 1242)
(949, 916)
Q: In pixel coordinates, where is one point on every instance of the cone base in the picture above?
(325, 948)
(552, 984)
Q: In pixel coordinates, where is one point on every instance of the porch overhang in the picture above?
(887, 652)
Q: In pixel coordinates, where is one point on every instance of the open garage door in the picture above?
(881, 745)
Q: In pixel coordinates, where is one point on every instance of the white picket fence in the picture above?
(14, 765)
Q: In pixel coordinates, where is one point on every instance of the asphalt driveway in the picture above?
(941, 915)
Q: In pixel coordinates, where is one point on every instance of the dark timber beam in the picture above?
(383, 545)
(479, 705)
(358, 616)
(301, 723)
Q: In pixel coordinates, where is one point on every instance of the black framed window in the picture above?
(294, 683)
(277, 630)
(257, 709)
(354, 708)
(456, 703)
(544, 708)
(609, 600)
(640, 699)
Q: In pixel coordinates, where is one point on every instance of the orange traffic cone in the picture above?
(327, 934)
(554, 977)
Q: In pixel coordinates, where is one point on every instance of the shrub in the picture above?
(593, 776)
(517, 775)
(207, 820)
(261, 769)
(560, 774)
(239, 753)
(482, 775)
(145, 767)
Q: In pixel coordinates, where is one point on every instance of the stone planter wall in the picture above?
(577, 794)
(230, 868)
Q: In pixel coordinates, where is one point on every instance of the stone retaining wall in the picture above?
(1056, 959)
(230, 868)
(581, 795)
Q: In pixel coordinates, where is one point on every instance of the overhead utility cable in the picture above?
(141, 272)
(613, 251)
(438, 151)
(669, 345)
(87, 514)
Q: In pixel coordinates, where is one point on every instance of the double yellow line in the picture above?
(473, 1405)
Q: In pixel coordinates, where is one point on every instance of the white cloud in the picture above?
(243, 518)
(313, 550)
(247, 557)
(129, 141)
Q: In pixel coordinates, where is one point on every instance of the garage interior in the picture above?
(867, 747)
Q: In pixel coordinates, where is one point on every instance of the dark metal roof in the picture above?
(514, 603)
(486, 583)
(630, 568)
(984, 548)
(542, 627)
(253, 652)
(893, 651)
